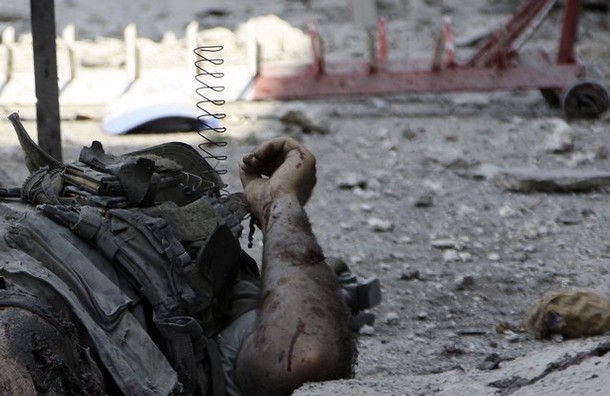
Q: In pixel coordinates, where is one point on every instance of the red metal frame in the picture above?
(494, 65)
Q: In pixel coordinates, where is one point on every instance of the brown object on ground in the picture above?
(570, 314)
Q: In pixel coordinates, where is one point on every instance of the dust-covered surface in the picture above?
(402, 193)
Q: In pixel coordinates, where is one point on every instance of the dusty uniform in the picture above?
(113, 338)
(134, 261)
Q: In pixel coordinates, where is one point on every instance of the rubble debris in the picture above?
(299, 119)
(528, 180)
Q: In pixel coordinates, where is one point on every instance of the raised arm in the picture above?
(302, 331)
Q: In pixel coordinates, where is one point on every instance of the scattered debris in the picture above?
(299, 119)
(491, 362)
(527, 180)
(410, 274)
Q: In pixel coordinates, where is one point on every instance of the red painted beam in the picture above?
(304, 83)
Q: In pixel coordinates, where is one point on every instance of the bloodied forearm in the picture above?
(302, 332)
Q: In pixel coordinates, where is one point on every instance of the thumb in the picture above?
(247, 177)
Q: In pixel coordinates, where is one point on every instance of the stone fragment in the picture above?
(306, 124)
(451, 255)
(380, 225)
(352, 180)
(463, 282)
(410, 274)
(367, 330)
(392, 318)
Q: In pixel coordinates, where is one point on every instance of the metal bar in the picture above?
(306, 84)
(518, 24)
(382, 48)
(565, 53)
(45, 74)
(317, 49)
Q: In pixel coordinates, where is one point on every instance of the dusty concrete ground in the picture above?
(459, 258)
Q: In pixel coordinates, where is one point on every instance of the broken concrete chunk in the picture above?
(566, 180)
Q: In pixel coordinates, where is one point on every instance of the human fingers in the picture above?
(272, 154)
(247, 173)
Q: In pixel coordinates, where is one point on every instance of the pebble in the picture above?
(405, 240)
(512, 337)
(409, 134)
(530, 249)
(493, 257)
(451, 255)
(444, 244)
(366, 208)
(367, 330)
(380, 225)
(392, 318)
(424, 201)
(561, 139)
(352, 180)
(421, 315)
(463, 282)
(569, 216)
(410, 274)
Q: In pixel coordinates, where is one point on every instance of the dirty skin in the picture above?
(308, 259)
(297, 333)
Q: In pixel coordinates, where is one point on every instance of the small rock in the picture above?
(352, 180)
(463, 282)
(366, 208)
(579, 159)
(345, 226)
(409, 133)
(569, 217)
(493, 257)
(405, 240)
(450, 256)
(298, 118)
(379, 103)
(491, 362)
(512, 337)
(530, 249)
(367, 330)
(410, 274)
(561, 139)
(444, 244)
(507, 211)
(392, 318)
(379, 225)
(450, 158)
(421, 315)
(424, 200)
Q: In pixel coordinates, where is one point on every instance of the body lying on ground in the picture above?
(144, 290)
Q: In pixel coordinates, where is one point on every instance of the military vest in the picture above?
(144, 250)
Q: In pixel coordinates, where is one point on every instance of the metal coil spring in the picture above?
(210, 129)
